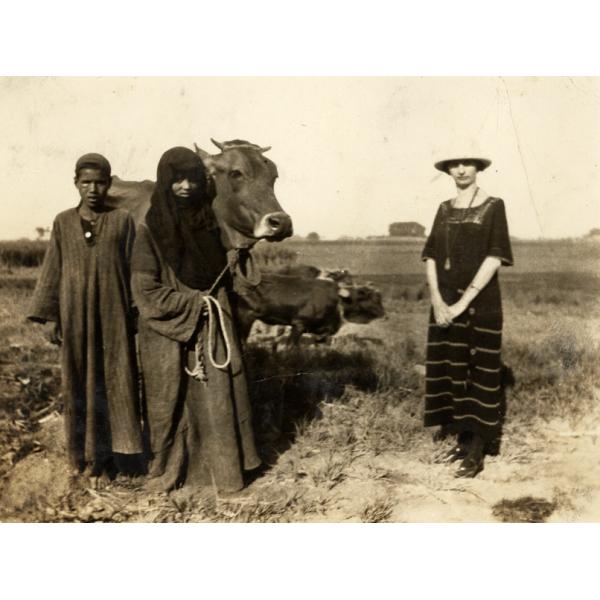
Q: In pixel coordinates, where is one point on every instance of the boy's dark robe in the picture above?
(85, 289)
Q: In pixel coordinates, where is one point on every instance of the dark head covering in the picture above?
(186, 230)
(92, 160)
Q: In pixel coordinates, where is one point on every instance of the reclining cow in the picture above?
(308, 304)
(340, 276)
(360, 303)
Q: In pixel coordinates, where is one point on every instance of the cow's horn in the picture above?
(201, 153)
(220, 146)
(265, 149)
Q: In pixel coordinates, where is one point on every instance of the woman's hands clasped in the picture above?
(444, 314)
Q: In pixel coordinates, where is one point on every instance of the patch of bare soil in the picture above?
(559, 470)
(551, 475)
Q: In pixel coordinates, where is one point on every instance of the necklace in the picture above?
(450, 247)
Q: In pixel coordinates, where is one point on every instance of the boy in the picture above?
(84, 289)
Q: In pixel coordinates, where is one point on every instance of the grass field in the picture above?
(340, 426)
(373, 257)
(21, 253)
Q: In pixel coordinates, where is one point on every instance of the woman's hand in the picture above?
(458, 308)
(442, 313)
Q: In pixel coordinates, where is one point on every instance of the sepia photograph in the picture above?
(300, 299)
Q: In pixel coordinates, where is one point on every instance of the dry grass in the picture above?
(556, 365)
(323, 414)
(378, 511)
(29, 380)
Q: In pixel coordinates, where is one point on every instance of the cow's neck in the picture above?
(246, 273)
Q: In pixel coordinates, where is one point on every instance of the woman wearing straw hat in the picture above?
(468, 243)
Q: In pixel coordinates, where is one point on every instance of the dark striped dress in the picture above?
(463, 365)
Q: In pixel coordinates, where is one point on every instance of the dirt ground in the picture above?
(559, 469)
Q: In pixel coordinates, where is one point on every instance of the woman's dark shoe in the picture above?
(470, 466)
(456, 453)
(472, 463)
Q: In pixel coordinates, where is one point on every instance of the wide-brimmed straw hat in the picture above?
(442, 165)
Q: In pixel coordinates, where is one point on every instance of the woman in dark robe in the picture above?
(84, 290)
(468, 243)
(198, 415)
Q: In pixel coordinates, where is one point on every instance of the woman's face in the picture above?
(464, 172)
(185, 186)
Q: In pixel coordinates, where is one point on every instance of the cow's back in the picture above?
(133, 196)
(311, 305)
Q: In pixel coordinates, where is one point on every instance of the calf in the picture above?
(359, 303)
(341, 276)
(308, 305)
(299, 296)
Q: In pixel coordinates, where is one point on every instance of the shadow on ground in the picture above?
(287, 388)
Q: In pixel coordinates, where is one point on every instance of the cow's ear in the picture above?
(343, 292)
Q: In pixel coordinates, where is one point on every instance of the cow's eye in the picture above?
(236, 174)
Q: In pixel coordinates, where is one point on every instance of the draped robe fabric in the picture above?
(200, 433)
(86, 289)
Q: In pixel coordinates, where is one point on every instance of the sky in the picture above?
(354, 154)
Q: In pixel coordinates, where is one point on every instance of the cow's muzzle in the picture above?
(274, 226)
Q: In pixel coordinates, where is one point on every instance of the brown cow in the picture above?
(341, 276)
(244, 204)
(360, 303)
(309, 304)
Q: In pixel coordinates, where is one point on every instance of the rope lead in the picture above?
(211, 305)
(199, 370)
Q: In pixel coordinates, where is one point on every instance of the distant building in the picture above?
(410, 229)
